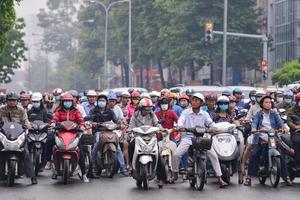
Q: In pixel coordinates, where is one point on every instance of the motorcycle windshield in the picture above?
(12, 130)
(39, 125)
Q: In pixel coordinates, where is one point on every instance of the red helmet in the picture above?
(183, 96)
(66, 97)
(297, 97)
(24, 96)
(135, 94)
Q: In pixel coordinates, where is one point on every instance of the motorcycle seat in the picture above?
(286, 138)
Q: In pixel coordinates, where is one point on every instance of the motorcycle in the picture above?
(66, 150)
(87, 142)
(12, 141)
(229, 145)
(37, 138)
(107, 154)
(197, 157)
(167, 149)
(270, 165)
(145, 157)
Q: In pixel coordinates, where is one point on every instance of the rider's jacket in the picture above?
(16, 114)
(293, 118)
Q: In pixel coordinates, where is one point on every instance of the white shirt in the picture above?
(118, 112)
(81, 110)
(189, 119)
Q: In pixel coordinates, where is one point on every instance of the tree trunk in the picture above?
(142, 75)
(162, 79)
(192, 68)
(180, 75)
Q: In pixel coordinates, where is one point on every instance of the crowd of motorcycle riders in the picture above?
(254, 115)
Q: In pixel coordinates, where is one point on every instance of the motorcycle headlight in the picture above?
(43, 137)
(73, 144)
(147, 149)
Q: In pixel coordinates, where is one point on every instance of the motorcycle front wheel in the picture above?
(66, 174)
(11, 172)
(275, 171)
(200, 174)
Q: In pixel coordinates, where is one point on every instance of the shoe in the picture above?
(48, 166)
(288, 181)
(247, 181)
(85, 179)
(174, 178)
(34, 181)
(54, 176)
(125, 173)
(93, 175)
(223, 184)
(160, 184)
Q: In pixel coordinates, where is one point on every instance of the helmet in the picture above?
(165, 90)
(145, 103)
(112, 96)
(74, 93)
(131, 90)
(145, 95)
(24, 96)
(66, 97)
(102, 95)
(210, 96)
(260, 93)
(37, 96)
(118, 94)
(199, 96)
(45, 94)
(223, 99)
(183, 96)
(226, 93)
(189, 92)
(125, 94)
(154, 94)
(91, 93)
(135, 94)
(288, 93)
(252, 93)
(237, 91)
(57, 91)
(297, 97)
(49, 98)
(163, 100)
(171, 95)
(12, 96)
(262, 99)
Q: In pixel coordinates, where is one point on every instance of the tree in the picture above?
(289, 73)
(7, 19)
(13, 53)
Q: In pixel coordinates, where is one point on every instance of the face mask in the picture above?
(36, 104)
(57, 98)
(67, 104)
(183, 104)
(279, 100)
(101, 104)
(164, 106)
(288, 101)
(223, 107)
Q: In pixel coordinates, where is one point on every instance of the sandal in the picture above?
(247, 181)
(174, 178)
(288, 181)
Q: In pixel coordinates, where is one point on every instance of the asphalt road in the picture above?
(124, 188)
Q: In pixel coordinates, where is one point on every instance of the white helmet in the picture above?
(145, 103)
(154, 94)
(260, 93)
(91, 93)
(125, 94)
(199, 96)
(37, 96)
(145, 95)
(223, 99)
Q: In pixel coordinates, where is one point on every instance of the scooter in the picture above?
(229, 145)
(107, 154)
(66, 150)
(167, 148)
(12, 141)
(37, 138)
(145, 157)
(270, 165)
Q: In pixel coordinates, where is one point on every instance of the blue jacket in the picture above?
(177, 109)
(275, 120)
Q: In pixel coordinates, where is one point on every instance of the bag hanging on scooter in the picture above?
(202, 143)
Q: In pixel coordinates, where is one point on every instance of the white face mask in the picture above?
(164, 106)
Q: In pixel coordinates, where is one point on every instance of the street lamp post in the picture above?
(106, 9)
(224, 68)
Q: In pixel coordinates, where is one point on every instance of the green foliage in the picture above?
(13, 53)
(7, 19)
(289, 73)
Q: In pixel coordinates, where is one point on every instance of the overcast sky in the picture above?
(28, 7)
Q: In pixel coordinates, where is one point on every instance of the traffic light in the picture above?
(264, 69)
(208, 32)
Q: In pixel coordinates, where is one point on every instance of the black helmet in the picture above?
(74, 93)
(262, 100)
(101, 95)
(226, 93)
(189, 92)
(12, 96)
(163, 100)
(252, 93)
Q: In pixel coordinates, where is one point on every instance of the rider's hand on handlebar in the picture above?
(213, 130)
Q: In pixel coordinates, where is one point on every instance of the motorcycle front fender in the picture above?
(145, 159)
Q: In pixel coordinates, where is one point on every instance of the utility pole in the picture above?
(224, 68)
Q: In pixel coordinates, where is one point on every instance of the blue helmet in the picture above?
(112, 96)
(288, 93)
(237, 91)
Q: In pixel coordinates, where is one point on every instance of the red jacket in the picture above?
(170, 117)
(73, 115)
